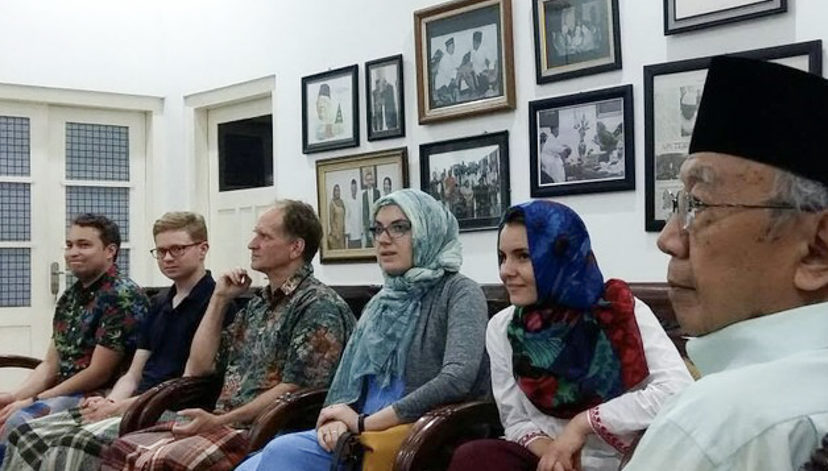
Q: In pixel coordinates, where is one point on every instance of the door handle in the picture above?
(54, 277)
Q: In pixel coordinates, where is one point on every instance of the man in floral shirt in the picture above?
(94, 328)
(289, 336)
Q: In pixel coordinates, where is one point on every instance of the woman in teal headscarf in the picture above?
(419, 342)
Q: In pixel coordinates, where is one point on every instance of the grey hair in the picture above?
(803, 194)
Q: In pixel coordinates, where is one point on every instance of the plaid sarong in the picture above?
(59, 441)
(157, 448)
(38, 409)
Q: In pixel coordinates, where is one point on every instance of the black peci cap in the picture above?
(765, 112)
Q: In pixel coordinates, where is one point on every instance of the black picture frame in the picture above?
(597, 151)
(477, 192)
(338, 243)
(382, 121)
(327, 130)
(559, 58)
(692, 21)
(667, 87)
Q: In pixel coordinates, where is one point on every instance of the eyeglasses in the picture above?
(685, 207)
(174, 250)
(395, 230)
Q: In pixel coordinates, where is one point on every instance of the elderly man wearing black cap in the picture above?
(748, 276)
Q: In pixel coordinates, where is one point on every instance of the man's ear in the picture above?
(812, 272)
(110, 251)
(297, 248)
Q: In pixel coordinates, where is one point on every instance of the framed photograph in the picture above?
(672, 92)
(330, 110)
(385, 102)
(470, 177)
(575, 38)
(582, 143)
(346, 189)
(689, 15)
(465, 59)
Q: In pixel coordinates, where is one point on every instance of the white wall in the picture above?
(175, 48)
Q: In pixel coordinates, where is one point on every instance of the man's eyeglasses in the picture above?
(685, 207)
(395, 230)
(174, 250)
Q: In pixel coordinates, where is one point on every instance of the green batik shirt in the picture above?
(107, 313)
(294, 334)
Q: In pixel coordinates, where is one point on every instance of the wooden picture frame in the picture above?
(359, 181)
(480, 77)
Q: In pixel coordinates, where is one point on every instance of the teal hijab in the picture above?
(379, 345)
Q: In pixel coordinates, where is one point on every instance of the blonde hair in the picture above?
(189, 222)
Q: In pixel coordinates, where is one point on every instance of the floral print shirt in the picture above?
(107, 313)
(294, 334)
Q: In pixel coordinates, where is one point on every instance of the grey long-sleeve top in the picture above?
(447, 360)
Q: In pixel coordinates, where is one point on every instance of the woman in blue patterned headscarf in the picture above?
(578, 364)
(418, 343)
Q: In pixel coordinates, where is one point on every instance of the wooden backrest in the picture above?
(653, 294)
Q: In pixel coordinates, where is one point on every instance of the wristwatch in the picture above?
(361, 423)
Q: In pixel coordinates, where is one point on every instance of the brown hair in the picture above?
(191, 223)
(299, 220)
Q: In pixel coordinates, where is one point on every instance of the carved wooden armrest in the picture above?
(18, 361)
(292, 411)
(435, 436)
(175, 394)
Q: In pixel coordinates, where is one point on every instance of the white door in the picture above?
(56, 162)
(233, 211)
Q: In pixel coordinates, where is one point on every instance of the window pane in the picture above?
(14, 146)
(15, 211)
(15, 277)
(97, 152)
(245, 149)
(111, 202)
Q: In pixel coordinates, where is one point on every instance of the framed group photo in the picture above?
(582, 143)
(689, 15)
(470, 177)
(330, 110)
(384, 98)
(575, 38)
(347, 188)
(672, 93)
(465, 59)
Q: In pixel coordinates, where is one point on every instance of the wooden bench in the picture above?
(433, 437)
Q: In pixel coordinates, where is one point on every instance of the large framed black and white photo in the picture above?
(384, 98)
(470, 177)
(330, 110)
(672, 92)
(347, 188)
(574, 38)
(690, 15)
(582, 143)
(464, 58)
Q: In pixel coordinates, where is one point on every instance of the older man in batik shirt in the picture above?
(289, 336)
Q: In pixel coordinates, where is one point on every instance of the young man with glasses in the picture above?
(290, 335)
(72, 440)
(748, 275)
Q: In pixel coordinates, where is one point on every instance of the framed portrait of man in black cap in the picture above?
(672, 93)
(464, 56)
(330, 110)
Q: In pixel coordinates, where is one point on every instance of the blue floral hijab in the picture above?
(579, 344)
(379, 345)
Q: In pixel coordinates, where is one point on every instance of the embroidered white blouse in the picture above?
(616, 421)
